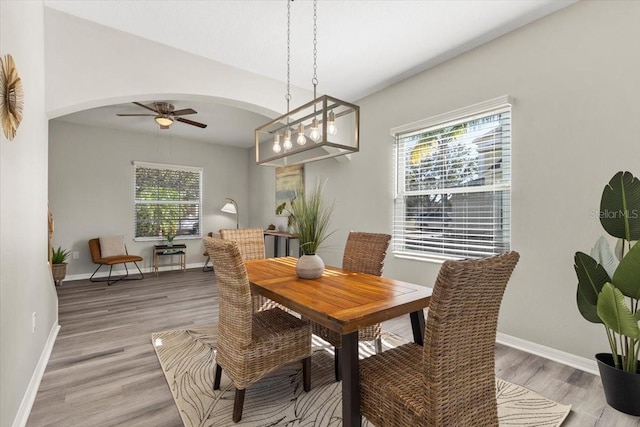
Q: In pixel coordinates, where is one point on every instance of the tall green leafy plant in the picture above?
(608, 284)
(311, 218)
(59, 256)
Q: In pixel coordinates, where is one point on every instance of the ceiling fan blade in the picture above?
(184, 112)
(147, 107)
(191, 122)
(132, 115)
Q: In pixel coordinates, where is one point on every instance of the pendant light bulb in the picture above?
(276, 144)
(301, 140)
(287, 140)
(315, 133)
(331, 124)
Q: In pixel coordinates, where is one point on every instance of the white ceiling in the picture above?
(363, 45)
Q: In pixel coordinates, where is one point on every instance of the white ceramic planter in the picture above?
(309, 267)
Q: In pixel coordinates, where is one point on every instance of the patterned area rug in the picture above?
(187, 358)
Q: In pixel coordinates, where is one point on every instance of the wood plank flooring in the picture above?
(103, 370)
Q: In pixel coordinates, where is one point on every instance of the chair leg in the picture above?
(206, 267)
(91, 279)
(306, 373)
(109, 282)
(216, 381)
(238, 403)
(139, 271)
(337, 366)
(125, 277)
(378, 344)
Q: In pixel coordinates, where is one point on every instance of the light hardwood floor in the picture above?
(103, 370)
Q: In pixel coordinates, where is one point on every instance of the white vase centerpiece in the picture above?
(311, 217)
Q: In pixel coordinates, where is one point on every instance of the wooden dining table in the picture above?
(345, 302)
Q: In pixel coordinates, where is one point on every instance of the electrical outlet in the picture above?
(76, 254)
(33, 322)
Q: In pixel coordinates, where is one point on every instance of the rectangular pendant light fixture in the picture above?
(323, 128)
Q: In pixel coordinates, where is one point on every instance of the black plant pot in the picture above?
(622, 389)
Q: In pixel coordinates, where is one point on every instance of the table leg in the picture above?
(155, 263)
(286, 246)
(417, 326)
(275, 246)
(350, 381)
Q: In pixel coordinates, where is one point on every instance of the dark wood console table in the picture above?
(276, 240)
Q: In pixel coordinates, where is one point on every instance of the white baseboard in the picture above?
(586, 365)
(145, 270)
(32, 389)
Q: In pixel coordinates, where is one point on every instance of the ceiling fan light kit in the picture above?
(165, 115)
(325, 127)
(164, 121)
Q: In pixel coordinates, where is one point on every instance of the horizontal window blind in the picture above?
(453, 185)
(168, 200)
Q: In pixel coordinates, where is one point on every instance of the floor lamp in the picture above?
(230, 206)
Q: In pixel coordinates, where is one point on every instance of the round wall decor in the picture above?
(11, 97)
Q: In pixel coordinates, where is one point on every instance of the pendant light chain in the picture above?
(288, 95)
(314, 80)
(313, 123)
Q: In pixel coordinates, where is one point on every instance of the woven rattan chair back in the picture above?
(365, 252)
(251, 245)
(459, 345)
(236, 307)
(250, 241)
(251, 344)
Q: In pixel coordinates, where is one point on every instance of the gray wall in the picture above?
(91, 186)
(26, 285)
(574, 78)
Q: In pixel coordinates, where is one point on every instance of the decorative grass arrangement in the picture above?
(311, 217)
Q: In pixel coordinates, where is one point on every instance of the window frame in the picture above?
(136, 202)
(400, 242)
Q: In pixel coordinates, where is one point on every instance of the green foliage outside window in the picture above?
(167, 202)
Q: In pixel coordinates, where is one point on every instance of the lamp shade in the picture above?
(230, 206)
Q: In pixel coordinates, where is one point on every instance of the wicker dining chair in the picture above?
(451, 380)
(363, 253)
(251, 344)
(251, 245)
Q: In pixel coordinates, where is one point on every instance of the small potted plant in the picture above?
(282, 207)
(609, 291)
(170, 237)
(311, 217)
(58, 264)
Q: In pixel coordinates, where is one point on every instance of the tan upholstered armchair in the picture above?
(451, 380)
(111, 251)
(251, 344)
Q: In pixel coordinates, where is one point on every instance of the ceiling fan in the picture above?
(165, 115)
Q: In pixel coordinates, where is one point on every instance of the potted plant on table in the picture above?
(281, 208)
(170, 236)
(609, 291)
(311, 217)
(58, 264)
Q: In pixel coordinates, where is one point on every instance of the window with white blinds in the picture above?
(453, 194)
(167, 200)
